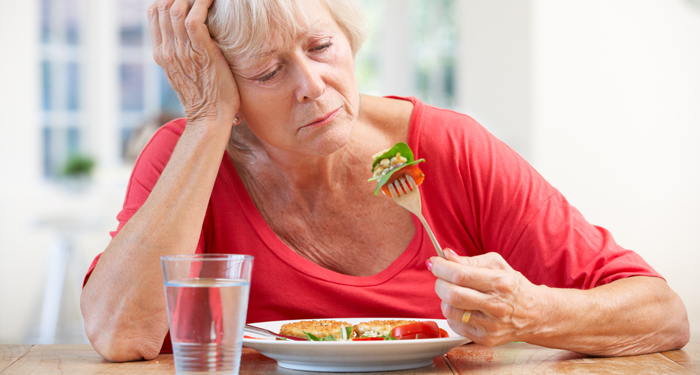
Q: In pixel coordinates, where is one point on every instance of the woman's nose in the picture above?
(311, 85)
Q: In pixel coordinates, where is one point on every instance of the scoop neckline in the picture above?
(285, 254)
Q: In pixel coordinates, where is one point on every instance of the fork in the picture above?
(405, 192)
(266, 332)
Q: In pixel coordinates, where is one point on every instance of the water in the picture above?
(207, 317)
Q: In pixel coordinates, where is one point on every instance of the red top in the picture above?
(479, 196)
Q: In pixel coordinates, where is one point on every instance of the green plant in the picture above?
(78, 165)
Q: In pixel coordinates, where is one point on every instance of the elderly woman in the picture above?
(273, 161)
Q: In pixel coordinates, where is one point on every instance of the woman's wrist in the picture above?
(554, 312)
(209, 130)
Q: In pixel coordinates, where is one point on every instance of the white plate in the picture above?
(357, 356)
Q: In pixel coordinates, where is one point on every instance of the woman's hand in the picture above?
(629, 316)
(193, 62)
(504, 305)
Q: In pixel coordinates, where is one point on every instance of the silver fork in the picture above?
(267, 332)
(405, 192)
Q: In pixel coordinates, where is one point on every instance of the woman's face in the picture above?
(302, 97)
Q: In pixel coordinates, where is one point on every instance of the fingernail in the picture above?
(429, 264)
(453, 253)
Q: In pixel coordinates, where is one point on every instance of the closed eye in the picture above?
(323, 46)
(268, 76)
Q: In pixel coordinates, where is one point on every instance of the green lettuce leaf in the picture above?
(399, 147)
(348, 331)
(312, 337)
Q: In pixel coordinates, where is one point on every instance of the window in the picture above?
(61, 71)
(410, 50)
(145, 93)
(433, 48)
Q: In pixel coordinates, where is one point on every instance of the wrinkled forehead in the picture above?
(281, 40)
(247, 30)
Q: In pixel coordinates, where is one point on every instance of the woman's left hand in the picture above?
(504, 305)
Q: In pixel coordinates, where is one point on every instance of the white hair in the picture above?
(242, 27)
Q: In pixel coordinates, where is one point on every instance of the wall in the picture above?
(603, 98)
(495, 81)
(19, 166)
(617, 124)
(49, 232)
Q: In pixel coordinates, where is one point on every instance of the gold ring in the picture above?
(465, 317)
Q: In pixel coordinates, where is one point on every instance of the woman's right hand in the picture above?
(192, 61)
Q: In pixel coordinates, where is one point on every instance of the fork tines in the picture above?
(402, 185)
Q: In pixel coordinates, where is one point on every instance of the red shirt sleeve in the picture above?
(484, 197)
(147, 170)
(559, 248)
(536, 230)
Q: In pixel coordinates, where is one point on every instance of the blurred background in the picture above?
(601, 96)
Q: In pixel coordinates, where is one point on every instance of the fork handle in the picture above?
(263, 331)
(431, 235)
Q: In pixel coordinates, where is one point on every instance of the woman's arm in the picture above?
(123, 302)
(630, 316)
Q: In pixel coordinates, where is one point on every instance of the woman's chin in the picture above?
(326, 141)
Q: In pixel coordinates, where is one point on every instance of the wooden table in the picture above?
(467, 359)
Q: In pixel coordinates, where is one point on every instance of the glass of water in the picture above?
(207, 297)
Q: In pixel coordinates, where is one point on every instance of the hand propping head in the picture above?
(192, 61)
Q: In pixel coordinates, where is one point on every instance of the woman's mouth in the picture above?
(321, 121)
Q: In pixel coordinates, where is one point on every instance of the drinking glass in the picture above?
(207, 297)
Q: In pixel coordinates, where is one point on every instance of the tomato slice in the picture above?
(411, 170)
(443, 333)
(369, 339)
(418, 330)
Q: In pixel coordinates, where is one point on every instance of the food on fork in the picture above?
(318, 330)
(389, 165)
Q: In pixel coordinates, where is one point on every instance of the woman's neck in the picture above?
(298, 170)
